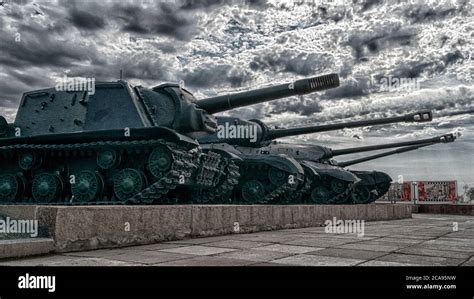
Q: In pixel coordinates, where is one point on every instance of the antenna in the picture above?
(121, 74)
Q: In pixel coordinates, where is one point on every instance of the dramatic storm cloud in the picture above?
(224, 46)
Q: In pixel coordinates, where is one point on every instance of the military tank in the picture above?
(325, 181)
(125, 144)
(374, 184)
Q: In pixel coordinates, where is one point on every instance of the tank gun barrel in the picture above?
(381, 155)
(246, 98)
(439, 139)
(421, 116)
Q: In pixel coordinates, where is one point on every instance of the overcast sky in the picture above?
(222, 46)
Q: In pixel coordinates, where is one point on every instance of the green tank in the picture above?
(124, 144)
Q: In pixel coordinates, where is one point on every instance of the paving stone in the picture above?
(408, 236)
(237, 244)
(316, 260)
(266, 264)
(149, 257)
(254, 255)
(461, 234)
(318, 242)
(288, 248)
(454, 244)
(420, 259)
(60, 260)
(202, 240)
(370, 247)
(198, 250)
(18, 248)
(99, 253)
(399, 240)
(470, 262)
(349, 253)
(468, 250)
(207, 261)
(421, 250)
(271, 238)
(153, 247)
(375, 263)
(455, 241)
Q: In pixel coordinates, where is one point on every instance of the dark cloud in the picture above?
(42, 51)
(216, 75)
(165, 19)
(300, 106)
(424, 13)
(368, 4)
(133, 66)
(206, 4)
(365, 43)
(436, 66)
(86, 20)
(293, 62)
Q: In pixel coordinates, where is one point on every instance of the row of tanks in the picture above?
(125, 144)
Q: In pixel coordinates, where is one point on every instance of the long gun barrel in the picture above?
(381, 155)
(439, 139)
(421, 116)
(299, 87)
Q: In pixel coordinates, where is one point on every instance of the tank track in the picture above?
(181, 168)
(273, 195)
(183, 165)
(222, 192)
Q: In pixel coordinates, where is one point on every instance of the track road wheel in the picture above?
(361, 195)
(277, 177)
(11, 188)
(128, 183)
(160, 161)
(46, 187)
(88, 186)
(253, 191)
(108, 158)
(320, 195)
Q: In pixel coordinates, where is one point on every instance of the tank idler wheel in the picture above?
(11, 188)
(320, 195)
(88, 185)
(28, 161)
(160, 161)
(46, 187)
(253, 191)
(108, 158)
(361, 195)
(128, 183)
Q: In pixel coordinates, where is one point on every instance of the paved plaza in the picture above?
(426, 240)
